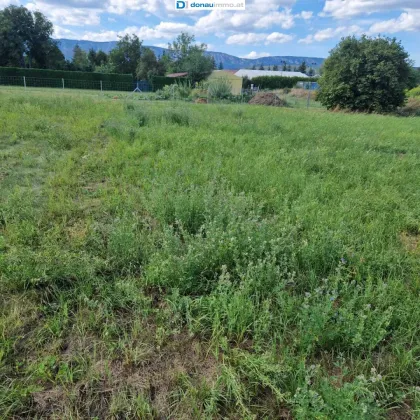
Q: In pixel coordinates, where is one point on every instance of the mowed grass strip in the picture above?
(169, 260)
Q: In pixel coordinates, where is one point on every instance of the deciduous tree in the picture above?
(365, 74)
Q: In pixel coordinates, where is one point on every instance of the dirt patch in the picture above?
(267, 99)
(411, 242)
(400, 413)
(155, 377)
(201, 101)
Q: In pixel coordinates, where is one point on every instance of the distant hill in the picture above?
(229, 61)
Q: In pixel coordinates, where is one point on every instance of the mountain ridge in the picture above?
(230, 62)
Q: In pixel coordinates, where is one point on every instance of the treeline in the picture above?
(302, 68)
(25, 42)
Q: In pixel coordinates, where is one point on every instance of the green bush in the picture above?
(67, 75)
(159, 82)
(366, 74)
(414, 93)
(219, 88)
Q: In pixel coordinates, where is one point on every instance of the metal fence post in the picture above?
(101, 85)
(62, 80)
(24, 81)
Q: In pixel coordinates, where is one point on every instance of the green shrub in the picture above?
(219, 88)
(414, 93)
(366, 74)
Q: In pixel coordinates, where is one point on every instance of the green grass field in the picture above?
(177, 261)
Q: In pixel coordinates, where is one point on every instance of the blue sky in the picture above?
(266, 27)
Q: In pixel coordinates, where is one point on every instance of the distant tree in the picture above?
(165, 61)
(189, 57)
(55, 59)
(288, 68)
(221, 65)
(92, 58)
(275, 67)
(105, 68)
(414, 77)
(254, 67)
(365, 74)
(269, 68)
(25, 39)
(284, 68)
(311, 72)
(80, 59)
(302, 68)
(261, 67)
(101, 58)
(125, 56)
(149, 65)
(213, 61)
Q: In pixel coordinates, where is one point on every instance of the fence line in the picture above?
(100, 85)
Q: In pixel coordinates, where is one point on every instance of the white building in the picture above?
(250, 74)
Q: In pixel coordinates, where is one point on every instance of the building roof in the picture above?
(177, 74)
(256, 73)
(225, 73)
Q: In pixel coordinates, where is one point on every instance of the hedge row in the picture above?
(158, 82)
(67, 75)
(276, 82)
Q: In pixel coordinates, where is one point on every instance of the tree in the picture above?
(80, 59)
(254, 67)
(54, 57)
(25, 39)
(149, 66)
(221, 66)
(302, 67)
(284, 68)
(275, 67)
(213, 61)
(101, 58)
(261, 67)
(269, 68)
(189, 57)
(311, 72)
(366, 74)
(289, 68)
(126, 55)
(92, 58)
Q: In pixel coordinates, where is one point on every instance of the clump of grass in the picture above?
(177, 116)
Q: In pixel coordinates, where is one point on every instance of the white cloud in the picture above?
(254, 54)
(406, 22)
(5, 3)
(278, 38)
(285, 19)
(246, 39)
(350, 8)
(165, 30)
(257, 38)
(307, 40)
(329, 33)
(258, 14)
(64, 15)
(306, 15)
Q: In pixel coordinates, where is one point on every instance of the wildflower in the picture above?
(343, 261)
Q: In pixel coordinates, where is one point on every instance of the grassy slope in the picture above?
(195, 261)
